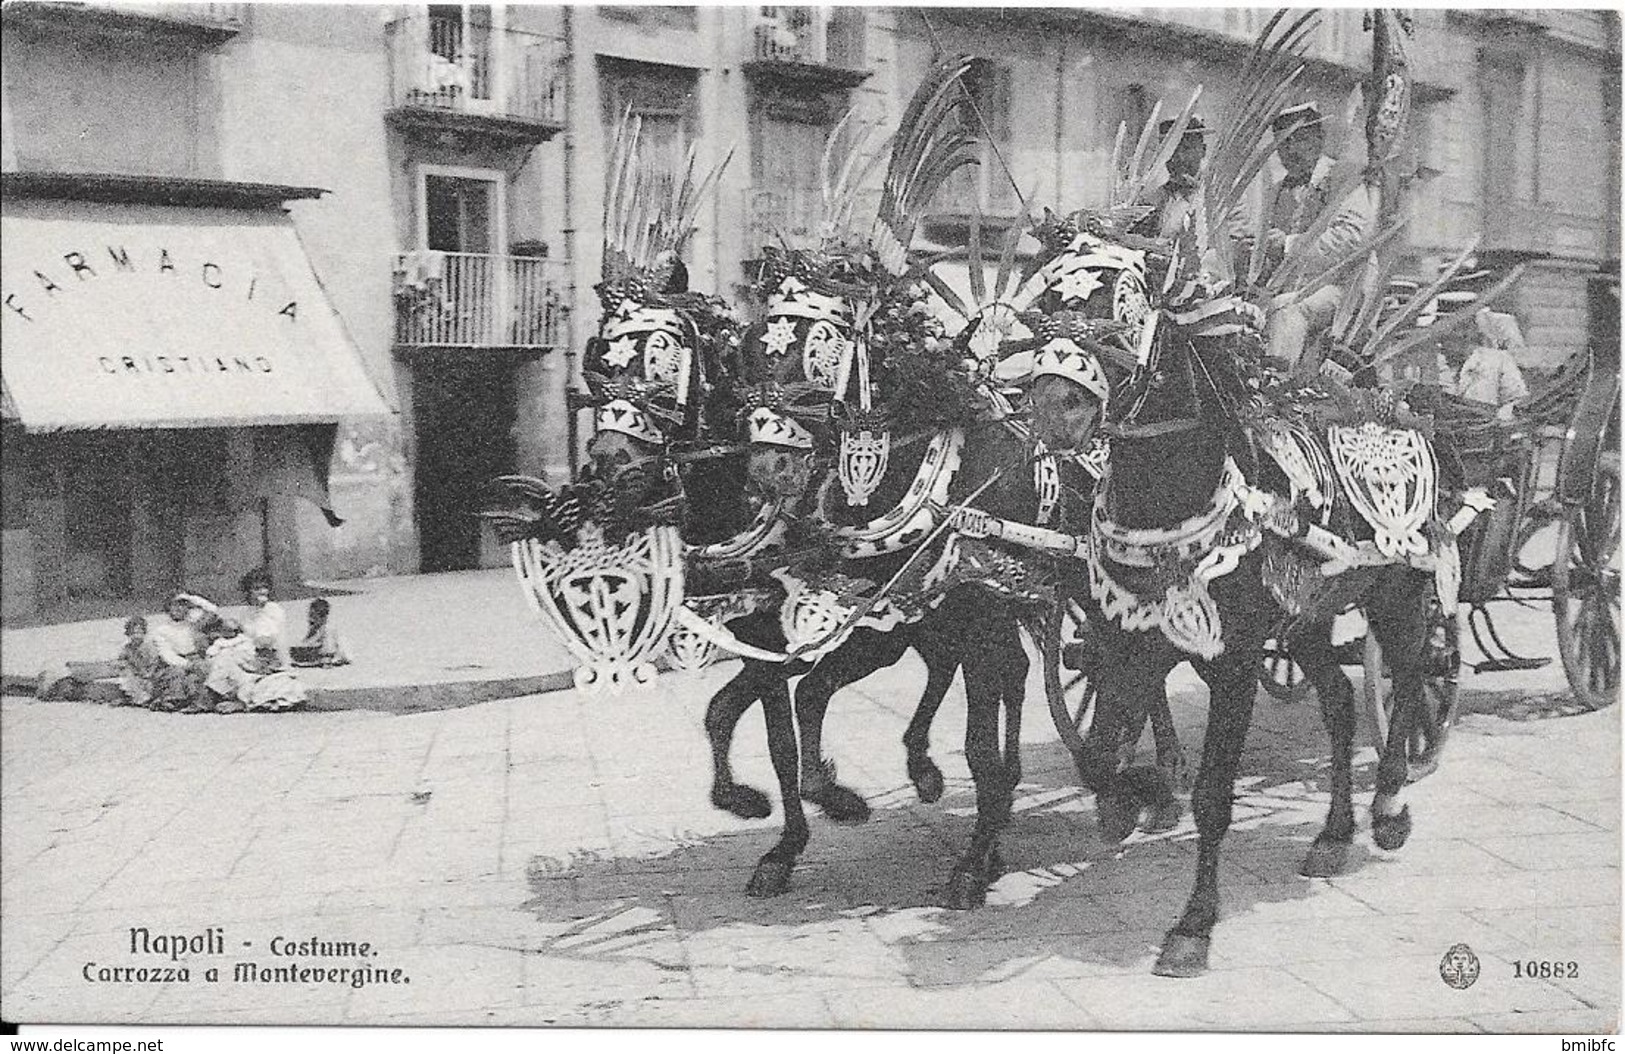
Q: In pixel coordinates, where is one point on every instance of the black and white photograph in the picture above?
(733, 517)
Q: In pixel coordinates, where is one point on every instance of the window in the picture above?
(459, 214)
(663, 97)
(987, 186)
(1507, 178)
(463, 36)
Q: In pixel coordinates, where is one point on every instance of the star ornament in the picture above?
(621, 352)
(779, 336)
(1078, 285)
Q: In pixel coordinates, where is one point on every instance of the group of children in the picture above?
(198, 660)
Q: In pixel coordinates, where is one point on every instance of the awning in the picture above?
(156, 316)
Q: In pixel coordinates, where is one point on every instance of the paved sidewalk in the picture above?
(420, 642)
(553, 860)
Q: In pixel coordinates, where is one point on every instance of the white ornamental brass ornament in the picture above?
(687, 649)
(864, 457)
(1390, 477)
(611, 605)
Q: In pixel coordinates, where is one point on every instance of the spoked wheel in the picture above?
(1585, 590)
(1439, 687)
(1281, 677)
(1067, 660)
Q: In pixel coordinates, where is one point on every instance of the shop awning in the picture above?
(139, 315)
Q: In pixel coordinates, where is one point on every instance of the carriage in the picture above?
(1552, 539)
(656, 372)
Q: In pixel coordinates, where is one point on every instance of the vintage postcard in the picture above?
(839, 517)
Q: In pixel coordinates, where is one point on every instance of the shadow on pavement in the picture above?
(1066, 902)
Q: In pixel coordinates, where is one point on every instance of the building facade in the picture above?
(461, 150)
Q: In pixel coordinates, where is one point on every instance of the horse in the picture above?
(969, 627)
(1175, 515)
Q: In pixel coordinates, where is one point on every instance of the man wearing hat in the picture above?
(1294, 204)
(1176, 199)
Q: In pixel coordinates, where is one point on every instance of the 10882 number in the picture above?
(1544, 970)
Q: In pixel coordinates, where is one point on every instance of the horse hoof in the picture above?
(1390, 832)
(966, 890)
(839, 803)
(1116, 819)
(1182, 956)
(770, 879)
(1325, 859)
(1164, 817)
(927, 780)
(747, 803)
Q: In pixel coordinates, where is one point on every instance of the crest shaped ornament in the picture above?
(812, 617)
(610, 605)
(864, 457)
(822, 353)
(1190, 620)
(1130, 303)
(689, 650)
(1390, 477)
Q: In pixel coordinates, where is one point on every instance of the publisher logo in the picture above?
(1459, 967)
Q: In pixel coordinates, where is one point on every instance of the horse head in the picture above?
(794, 362)
(1088, 310)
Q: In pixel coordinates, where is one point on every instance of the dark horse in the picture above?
(995, 671)
(1173, 499)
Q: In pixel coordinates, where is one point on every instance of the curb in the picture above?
(392, 699)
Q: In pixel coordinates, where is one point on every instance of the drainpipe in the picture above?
(572, 428)
(1060, 125)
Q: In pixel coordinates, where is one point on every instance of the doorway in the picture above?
(466, 35)
(96, 514)
(465, 411)
(459, 213)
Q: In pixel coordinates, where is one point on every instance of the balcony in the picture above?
(500, 84)
(477, 301)
(205, 24)
(819, 48)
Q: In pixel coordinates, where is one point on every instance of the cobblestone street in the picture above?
(553, 860)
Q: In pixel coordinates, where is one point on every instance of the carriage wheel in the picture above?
(1282, 678)
(1071, 693)
(1439, 687)
(1585, 591)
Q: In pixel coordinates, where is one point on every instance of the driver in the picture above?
(1294, 203)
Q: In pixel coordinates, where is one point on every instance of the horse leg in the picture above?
(1171, 772)
(1231, 686)
(1013, 688)
(980, 865)
(1313, 651)
(772, 874)
(860, 656)
(1398, 616)
(1122, 794)
(722, 716)
(729, 705)
(938, 643)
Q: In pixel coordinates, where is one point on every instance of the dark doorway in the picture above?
(96, 507)
(465, 412)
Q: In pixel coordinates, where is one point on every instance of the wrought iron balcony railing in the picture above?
(476, 300)
(449, 67)
(821, 46)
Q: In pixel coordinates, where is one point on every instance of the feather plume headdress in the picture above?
(645, 367)
(648, 215)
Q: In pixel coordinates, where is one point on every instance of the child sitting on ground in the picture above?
(233, 665)
(138, 663)
(321, 646)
